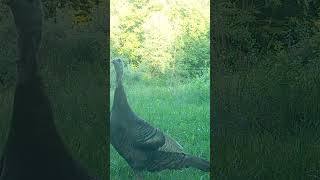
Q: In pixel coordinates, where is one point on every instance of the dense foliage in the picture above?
(266, 89)
(248, 32)
(162, 37)
(269, 52)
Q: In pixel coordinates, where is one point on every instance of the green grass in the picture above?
(181, 111)
(80, 111)
(265, 156)
(261, 132)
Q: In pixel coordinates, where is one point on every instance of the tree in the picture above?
(156, 33)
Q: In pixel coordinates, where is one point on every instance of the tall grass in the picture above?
(266, 122)
(181, 110)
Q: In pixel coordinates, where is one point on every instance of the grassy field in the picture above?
(182, 111)
(265, 157)
(261, 132)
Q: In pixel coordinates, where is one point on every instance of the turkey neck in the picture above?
(120, 102)
(119, 73)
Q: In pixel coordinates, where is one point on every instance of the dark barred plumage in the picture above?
(141, 145)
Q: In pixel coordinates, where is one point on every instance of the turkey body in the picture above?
(144, 147)
(141, 145)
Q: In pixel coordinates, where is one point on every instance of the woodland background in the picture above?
(162, 38)
(266, 57)
(74, 73)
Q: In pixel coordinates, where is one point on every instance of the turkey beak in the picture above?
(113, 61)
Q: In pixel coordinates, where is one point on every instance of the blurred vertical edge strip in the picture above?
(107, 95)
(212, 67)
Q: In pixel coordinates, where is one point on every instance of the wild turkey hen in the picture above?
(141, 145)
(34, 150)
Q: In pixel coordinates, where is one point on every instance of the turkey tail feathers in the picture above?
(198, 163)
